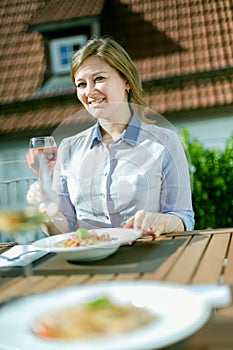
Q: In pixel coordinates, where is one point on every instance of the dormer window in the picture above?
(62, 50)
(61, 40)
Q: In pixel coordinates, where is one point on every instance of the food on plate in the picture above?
(84, 237)
(96, 318)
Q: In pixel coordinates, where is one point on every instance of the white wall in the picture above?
(13, 160)
(212, 133)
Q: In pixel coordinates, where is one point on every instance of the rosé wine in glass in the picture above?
(41, 155)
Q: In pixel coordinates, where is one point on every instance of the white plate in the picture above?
(92, 252)
(179, 310)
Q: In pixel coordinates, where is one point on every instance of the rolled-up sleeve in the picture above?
(176, 196)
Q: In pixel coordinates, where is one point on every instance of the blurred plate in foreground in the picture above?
(179, 311)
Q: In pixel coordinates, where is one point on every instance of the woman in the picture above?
(123, 171)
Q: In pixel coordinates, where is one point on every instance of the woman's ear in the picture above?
(127, 86)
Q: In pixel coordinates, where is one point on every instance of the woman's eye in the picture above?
(100, 78)
(80, 85)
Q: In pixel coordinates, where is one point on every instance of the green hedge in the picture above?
(212, 182)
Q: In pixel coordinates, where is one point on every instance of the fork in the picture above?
(18, 256)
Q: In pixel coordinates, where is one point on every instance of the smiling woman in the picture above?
(123, 171)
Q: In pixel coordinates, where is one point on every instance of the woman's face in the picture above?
(101, 90)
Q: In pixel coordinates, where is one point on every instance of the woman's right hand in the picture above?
(154, 223)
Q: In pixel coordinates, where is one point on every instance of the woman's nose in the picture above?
(90, 89)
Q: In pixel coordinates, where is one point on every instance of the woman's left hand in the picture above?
(154, 223)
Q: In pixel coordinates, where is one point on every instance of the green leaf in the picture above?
(82, 233)
(99, 302)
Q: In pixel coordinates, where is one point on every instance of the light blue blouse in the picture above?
(103, 185)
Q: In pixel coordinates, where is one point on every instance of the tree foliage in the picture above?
(211, 173)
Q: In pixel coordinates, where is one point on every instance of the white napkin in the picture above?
(24, 259)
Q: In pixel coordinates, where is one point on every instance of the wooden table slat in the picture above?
(127, 276)
(50, 282)
(18, 286)
(200, 232)
(182, 271)
(228, 273)
(101, 278)
(73, 280)
(161, 272)
(211, 265)
(7, 281)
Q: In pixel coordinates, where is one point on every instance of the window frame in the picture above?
(56, 55)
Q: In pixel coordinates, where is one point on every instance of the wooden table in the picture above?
(204, 257)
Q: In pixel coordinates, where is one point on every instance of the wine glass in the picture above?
(20, 222)
(41, 155)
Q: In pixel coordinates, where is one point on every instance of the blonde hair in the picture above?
(116, 56)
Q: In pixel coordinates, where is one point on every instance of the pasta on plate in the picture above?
(97, 318)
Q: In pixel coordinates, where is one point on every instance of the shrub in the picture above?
(211, 173)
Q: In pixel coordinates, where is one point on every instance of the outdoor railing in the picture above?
(13, 193)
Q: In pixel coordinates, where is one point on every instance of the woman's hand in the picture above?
(56, 225)
(154, 223)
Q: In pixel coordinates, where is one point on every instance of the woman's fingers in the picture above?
(154, 224)
(156, 229)
(138, 220)
(143, 220)
(149, 223)
(129, 223)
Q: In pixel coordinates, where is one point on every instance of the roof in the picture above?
(183, 50)
(59, 11)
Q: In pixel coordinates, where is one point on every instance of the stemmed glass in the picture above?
(41, 155)
(41, 158)
(22, 221)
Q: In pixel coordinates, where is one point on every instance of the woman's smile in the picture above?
(96, 102)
